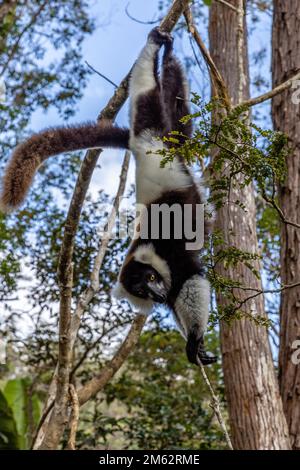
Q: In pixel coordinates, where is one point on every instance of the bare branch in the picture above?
(74, 418)
(91, 388)
(81, 187)
(139, 21)
(101, 74)
(41, 422)
(215, 75)
(272, 202)
(215, 404)
(227, 4)
(270, 94)
(93, 288)
(267, 291)
(91, 346)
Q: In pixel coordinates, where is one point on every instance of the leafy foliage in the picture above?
(30, 32)
(147, 406)
(8, 428)
(20, 411)
(243, 154)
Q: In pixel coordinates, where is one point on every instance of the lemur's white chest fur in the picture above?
(153, 181)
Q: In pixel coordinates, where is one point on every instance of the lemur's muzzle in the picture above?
(157, 291)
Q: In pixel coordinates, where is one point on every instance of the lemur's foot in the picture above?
(196, 353)
(206, 358)
(160, 37)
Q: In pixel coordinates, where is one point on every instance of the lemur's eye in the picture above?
(151, 277)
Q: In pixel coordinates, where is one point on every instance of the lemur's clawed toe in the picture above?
(160, 37)
(206, 359)
(196, 353)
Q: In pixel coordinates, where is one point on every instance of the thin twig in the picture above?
(272, 202)
(93, 345)
(139, 21)
(267, 291)
(215, 75)
(261, 291)
(41, 422)
(270, 94)
(215, 404)
(194, 53)
(101, 74)
(228, 5)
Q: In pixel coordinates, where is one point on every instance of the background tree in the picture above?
(249, 375)
(286, 117)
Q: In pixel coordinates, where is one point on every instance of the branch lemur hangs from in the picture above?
(155, 270)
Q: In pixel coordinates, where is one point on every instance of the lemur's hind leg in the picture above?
(147, 106)
(175, 92)
(191, 311)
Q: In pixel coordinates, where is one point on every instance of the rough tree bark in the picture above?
(255, 409)
(286, 118)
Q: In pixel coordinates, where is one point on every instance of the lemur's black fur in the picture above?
(158, 111)
(155, 270)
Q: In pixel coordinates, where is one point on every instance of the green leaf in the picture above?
(8, 429)
(207, 2)
(21, 401)
(16, 396)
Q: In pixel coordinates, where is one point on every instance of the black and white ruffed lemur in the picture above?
(156, 270)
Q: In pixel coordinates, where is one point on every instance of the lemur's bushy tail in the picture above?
(29, 155)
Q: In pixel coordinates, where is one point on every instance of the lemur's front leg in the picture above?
(191, 311)
(147, 108)
(144, 75)
(161, 38)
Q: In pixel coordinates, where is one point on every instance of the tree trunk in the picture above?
(255, 409)
(286, 118)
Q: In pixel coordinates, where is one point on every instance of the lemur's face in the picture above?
(143, 281)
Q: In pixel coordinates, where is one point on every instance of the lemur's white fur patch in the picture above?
(192, 305)
(142, 77)
(152, 180)
(141, 305)
(146, 254)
